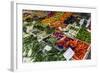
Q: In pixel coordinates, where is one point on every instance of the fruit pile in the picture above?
(57, 20)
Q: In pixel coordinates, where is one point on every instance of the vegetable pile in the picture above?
(84, 35)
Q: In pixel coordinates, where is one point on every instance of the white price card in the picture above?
(68, 53)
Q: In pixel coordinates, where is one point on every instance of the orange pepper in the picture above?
(65, 16)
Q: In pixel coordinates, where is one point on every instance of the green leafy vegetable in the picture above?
(84, 35)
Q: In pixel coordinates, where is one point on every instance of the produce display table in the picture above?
(56, 36)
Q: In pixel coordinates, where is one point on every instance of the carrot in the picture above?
(75, 57)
